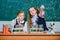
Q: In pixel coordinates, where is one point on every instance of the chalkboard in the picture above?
(9, 8)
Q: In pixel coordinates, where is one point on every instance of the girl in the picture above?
(19, 21)
(34, 18)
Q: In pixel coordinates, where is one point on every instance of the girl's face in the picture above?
(32, 11)
(21, 16)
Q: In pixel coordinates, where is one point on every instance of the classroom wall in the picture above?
(9, 8)
(56, 27)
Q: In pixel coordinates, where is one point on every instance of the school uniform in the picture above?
(41, 20)
(38, 20)
(33, 19)
(17, 22)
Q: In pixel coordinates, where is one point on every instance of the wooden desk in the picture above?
(30, 36)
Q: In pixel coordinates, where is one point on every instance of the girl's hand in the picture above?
(40, 13)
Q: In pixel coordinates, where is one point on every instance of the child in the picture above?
(34, 18)
(19, 21)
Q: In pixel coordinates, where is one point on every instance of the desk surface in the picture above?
(29, 34)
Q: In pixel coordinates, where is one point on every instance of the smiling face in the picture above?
(32, 11)
(20, 15)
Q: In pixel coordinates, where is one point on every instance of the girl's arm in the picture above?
(42, 14)
(25, 27)
(13, 22)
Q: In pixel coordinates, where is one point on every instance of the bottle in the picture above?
(5, 29)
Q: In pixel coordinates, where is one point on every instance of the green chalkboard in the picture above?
(9, 8)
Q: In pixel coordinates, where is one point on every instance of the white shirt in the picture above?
(13, 22)
(33, 19)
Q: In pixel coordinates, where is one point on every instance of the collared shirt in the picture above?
(20, 22)
(33, 19)
(14, 22)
